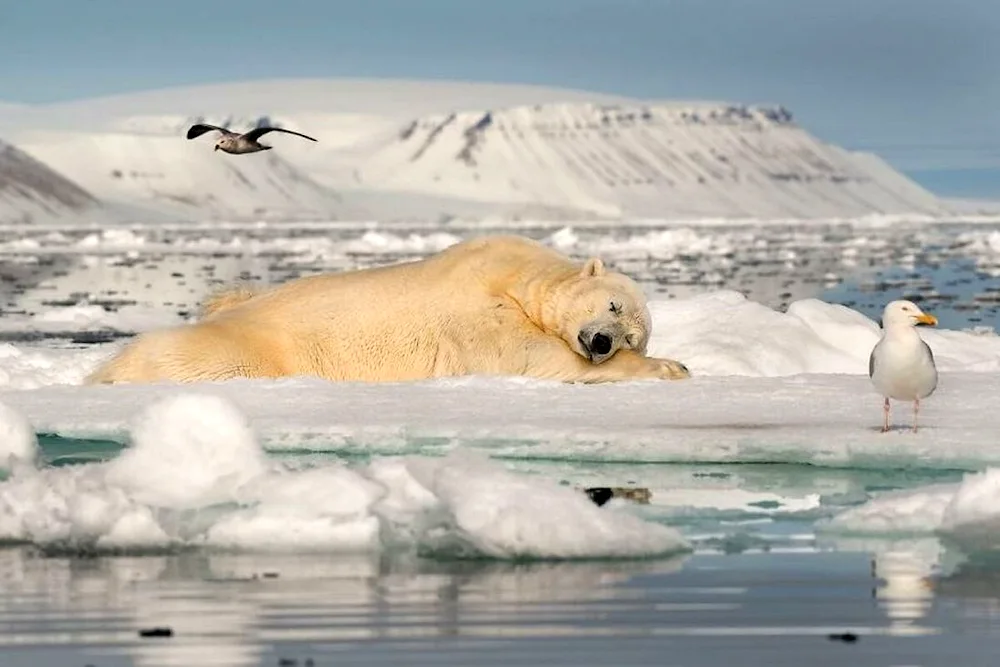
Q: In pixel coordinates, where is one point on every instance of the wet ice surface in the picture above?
(762, 586)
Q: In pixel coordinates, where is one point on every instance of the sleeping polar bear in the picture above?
(498, 305)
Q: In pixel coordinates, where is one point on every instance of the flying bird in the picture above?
(901, 365)
(235, 143)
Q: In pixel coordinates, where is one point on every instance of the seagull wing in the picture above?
(871, 363)
(927, 348)
(930, 355)
(258, 132)
(199, 129)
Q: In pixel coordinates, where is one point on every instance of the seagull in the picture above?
(901, 365)
(232, 142)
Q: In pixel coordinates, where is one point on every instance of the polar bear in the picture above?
(495, 305)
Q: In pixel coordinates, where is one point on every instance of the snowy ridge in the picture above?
(642, 160)
(428, 150)
(30, 191)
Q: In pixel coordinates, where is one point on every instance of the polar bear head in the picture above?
(600, 312)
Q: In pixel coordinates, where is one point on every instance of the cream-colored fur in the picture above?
(226, 299)
(493, 305)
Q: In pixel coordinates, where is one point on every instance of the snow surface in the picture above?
(768, 386)
(394, 150)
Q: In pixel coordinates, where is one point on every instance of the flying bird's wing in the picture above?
(258, 132)
(199, 129)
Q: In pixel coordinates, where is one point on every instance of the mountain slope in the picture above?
(184, 177)
(31, 191)
(641, 160)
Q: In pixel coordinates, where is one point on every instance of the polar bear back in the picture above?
(495, 305)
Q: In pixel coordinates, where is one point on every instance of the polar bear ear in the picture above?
(592, 268)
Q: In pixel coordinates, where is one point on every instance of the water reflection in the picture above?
(910, 574)
(246, 609)
(905, 590)
(223, 608)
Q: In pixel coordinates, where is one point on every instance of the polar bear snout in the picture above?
(596, 346)
(600, 344)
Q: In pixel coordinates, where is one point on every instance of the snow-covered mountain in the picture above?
(643, 160)
(160, 169)
(391, 149)
(31, 191)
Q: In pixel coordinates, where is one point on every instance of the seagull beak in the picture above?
(924, 318)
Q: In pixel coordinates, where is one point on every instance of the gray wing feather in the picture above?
(199, 129)
(871, 364)
(258, 132)
(930, 353)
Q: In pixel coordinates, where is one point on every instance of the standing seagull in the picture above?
(232, 142)
(901, 365)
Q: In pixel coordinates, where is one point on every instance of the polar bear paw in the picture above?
(669, 369)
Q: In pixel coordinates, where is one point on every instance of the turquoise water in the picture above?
(59, 451)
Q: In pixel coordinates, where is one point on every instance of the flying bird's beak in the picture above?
(924, 318)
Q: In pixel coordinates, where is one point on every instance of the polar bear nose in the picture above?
(600, 344)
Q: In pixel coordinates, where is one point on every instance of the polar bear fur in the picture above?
(493, 305)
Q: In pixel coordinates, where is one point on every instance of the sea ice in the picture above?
(195, 476)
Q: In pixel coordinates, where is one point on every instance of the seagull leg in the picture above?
(885, 416)
(916, 412)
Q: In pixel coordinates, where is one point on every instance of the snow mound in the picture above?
(966, 514)
(724, 333)
(196, 476)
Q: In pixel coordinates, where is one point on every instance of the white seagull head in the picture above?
(905, 313)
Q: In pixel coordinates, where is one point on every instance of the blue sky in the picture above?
(916, 80)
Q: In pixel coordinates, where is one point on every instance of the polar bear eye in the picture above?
(615, 308)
